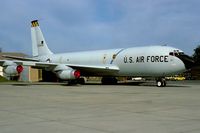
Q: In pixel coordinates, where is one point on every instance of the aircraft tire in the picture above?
(164, 83)
(109, 81)
(161, 82)
(81, 81)
(77, 81)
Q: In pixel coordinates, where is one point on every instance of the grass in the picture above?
(2, 79)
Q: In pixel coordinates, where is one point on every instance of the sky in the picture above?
(79, 25)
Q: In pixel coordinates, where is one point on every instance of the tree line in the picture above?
(196, 55)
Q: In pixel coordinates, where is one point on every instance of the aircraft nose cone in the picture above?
(187, 60)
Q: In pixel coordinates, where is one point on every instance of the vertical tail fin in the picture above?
(39, 46)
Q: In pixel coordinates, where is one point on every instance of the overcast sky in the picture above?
(74, 25)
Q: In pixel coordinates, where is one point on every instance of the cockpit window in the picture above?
(176, 53)
(171, 53)
(181, 53)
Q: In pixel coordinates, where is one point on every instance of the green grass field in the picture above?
(2, 79)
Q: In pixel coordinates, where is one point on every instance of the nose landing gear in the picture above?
(160, 82)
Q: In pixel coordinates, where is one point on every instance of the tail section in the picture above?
(39, 46)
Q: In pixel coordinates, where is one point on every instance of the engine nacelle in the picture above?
(11, 68)
(66, 73)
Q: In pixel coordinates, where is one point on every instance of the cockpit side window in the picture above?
(181, 53)
(171, 53)
(176, 53)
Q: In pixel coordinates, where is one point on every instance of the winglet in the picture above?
(34, 23)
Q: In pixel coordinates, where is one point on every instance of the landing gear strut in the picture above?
(160, 82)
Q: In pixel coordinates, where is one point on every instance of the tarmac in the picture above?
(94, 108)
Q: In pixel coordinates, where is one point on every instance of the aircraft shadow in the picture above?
(143, 83)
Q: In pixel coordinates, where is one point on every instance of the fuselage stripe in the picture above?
(116, 55)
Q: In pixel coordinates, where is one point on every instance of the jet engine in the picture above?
(12, 69)
(66, 73)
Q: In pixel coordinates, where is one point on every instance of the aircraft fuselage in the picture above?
(136, 61)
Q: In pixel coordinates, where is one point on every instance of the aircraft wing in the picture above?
(89, 70)
(85, 69)
(19, 58)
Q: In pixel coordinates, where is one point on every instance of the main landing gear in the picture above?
(80, 81)
(160, 82)
(109, 81)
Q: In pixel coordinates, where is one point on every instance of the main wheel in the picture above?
(81, 81)
(109, 81)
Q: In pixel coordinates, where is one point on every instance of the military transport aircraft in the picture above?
(149, 61)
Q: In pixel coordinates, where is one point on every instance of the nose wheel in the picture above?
(161, 82)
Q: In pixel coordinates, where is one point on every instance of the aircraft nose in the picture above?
(187, 60)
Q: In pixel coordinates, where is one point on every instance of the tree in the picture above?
(196, 55)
